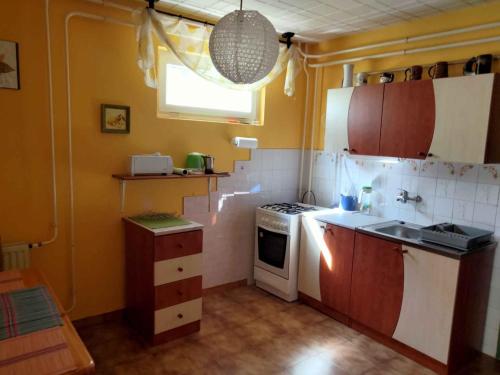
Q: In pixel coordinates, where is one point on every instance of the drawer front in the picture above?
(178, 315)
(178, 245)
(177, 292)
(168, 271)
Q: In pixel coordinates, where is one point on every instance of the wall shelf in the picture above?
(128, 177)
(123, 178)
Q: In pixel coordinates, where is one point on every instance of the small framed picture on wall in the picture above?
(115, 118)
(9, 65)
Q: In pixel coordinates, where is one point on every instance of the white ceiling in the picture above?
(322, 19)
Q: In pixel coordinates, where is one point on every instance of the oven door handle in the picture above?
(272, 230)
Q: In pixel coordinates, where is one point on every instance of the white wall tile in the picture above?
(467, 172)
(426, 186)
(485, 214)
(463, 210)
(446, 170)
(270, 175)
(489, 174)
(429, 168)
(487, 194)
(443, 207)
(465, 191)
(445, 188)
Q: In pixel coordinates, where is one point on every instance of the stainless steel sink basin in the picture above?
(400, 230)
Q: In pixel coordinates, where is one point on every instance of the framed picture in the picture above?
(115, 118)
(9, 65)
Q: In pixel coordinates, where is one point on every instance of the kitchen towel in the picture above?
(27, 310)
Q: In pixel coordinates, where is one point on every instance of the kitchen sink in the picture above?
(400, 230)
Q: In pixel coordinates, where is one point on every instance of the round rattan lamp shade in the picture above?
(244, 46)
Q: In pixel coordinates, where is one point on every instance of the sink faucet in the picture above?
(403, 197)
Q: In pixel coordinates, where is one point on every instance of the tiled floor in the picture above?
(247, 331)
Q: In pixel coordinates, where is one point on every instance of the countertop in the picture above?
(366, 224)
(170, 230)
(350, 220)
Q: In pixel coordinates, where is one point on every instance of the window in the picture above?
(184, 94)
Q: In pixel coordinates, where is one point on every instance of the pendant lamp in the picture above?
(244, 46)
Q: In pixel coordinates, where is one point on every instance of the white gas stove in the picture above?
(277, 244)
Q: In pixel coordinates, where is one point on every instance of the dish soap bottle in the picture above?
(365, 200)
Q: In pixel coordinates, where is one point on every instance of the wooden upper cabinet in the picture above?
(336, 268)
(364, 120)
(463, 112)
(492, 149)
(337, 108)
(377, 283)
(407, 119)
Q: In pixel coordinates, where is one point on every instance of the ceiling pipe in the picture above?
(487, 26)
(408, 51)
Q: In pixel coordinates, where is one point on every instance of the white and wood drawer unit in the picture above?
(163, 280)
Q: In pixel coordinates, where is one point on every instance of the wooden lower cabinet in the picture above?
(430, 285)
(377, 283)
(427, 306)
(163, 282)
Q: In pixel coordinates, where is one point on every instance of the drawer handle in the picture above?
(180, 316)
(179, 292)
(180, 246)
(180, 269)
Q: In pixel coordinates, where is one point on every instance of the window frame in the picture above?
(197, 113)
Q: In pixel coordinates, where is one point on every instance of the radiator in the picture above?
(16, 256)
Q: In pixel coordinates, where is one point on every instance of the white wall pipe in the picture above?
(313, 129)
(112, 5)
(409, 51)
(55, 216)
(304, 129)
(486, 26)
(69, 16)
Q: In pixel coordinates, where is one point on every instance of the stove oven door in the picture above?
(272, 251)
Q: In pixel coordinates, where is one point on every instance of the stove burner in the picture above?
(288, 208)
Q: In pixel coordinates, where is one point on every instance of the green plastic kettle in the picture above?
(194, 160)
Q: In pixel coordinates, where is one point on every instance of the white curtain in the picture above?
(189, 43)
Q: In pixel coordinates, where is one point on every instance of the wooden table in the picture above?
(11, 280)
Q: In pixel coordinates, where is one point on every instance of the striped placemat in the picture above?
(27, 310)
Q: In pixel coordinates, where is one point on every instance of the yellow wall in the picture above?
(331, 77)
(103, 70)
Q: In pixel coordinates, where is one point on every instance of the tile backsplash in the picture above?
(465, 194)
(271, 175)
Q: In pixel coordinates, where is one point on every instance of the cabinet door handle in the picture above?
(430, 154)
(353, 150)
(180, 316)
(345, 149)
(326, 229)
(180, 269)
